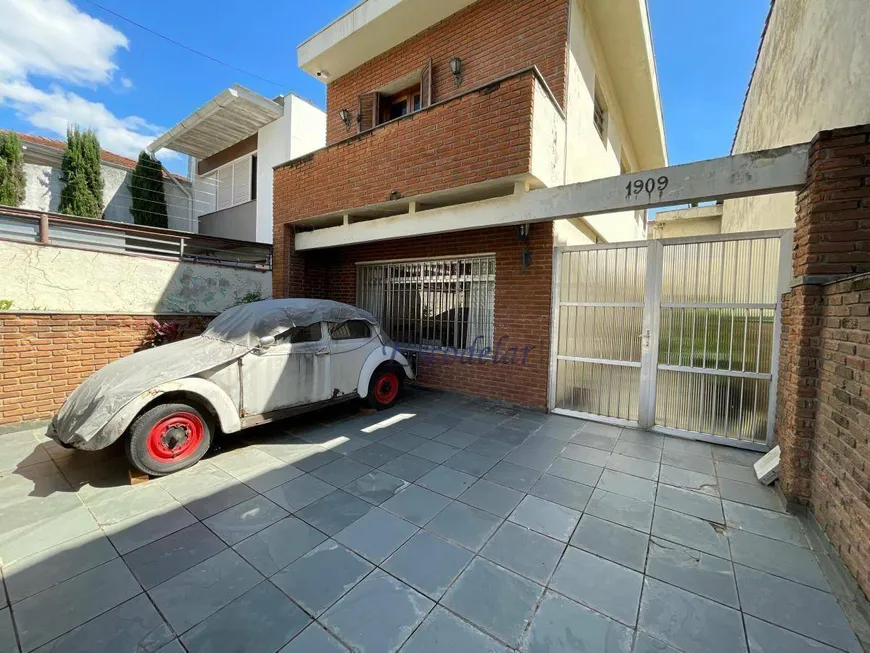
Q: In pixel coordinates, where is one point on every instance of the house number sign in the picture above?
(648, 185)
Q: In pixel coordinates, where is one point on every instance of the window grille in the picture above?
(435, 304)
(599, 116)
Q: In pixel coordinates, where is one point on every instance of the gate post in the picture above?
(831, 241)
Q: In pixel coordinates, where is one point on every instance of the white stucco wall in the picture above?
(57, 279)
(44, 188)
(813, 73)
(302, 129)
(588, 155)
(548, 140)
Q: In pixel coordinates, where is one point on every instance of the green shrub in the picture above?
(149, 195)
(12, 180)
(81, 175)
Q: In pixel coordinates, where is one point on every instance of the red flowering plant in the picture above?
(159, 333)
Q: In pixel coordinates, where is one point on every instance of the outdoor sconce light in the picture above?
(456, 69)
(522, 232)
(344, 114)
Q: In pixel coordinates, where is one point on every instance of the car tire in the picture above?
(385, 386)
(168, 438)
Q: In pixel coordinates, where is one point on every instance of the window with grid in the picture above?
(433, 303)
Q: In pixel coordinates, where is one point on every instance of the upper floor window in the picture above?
(234, 183)
(599, 115)
(404, 95)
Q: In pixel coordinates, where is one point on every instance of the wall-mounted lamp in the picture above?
(456, 69)
(344, 114)
(523, 232)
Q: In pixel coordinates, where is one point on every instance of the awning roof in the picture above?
(229, 117)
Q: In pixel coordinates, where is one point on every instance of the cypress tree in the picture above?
(81, 175)
(149, 196)
(12, 180)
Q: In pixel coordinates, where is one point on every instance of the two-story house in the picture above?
(439, 116)
(232, 142)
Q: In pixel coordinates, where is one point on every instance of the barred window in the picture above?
(435, 303)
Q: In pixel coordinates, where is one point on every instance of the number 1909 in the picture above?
(648, 185)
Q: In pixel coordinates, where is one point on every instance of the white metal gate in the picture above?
(680, 335)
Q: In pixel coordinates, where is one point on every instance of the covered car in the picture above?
(254, 363)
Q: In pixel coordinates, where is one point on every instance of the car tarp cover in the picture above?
(230, 335)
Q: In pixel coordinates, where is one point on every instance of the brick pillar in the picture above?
(288, 266)
(831, 241)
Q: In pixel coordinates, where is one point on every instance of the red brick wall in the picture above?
(522, 304)
(43, 357)
(476, 137)
(492, 37)
(840, 480)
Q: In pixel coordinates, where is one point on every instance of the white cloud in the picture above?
(52, 39)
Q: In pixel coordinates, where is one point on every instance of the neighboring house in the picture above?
(233, 142)
(812, 73)
(42, 160)
(439, 115)
(692, 221)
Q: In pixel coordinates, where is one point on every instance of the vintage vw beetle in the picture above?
(254, 363)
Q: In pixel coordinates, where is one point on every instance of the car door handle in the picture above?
(321, 352)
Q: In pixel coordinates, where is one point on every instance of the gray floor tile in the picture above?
(689, 480)
(161, 560)
(767, 638)
(596, 428)
(563, 625)
(690, 503)
(426, 430)
(561, 428)
(376, 535)
(595, 440)
(314, 639)
(778, 526)
(753, 495)
(643, 643)
(141, 499)
(470, 463)
(736, 456)
(349, 444)
(408, 467)
(621, 510)
(235, 524)
(45, 533)
(322, 576)
(264, 479)
(627, 485)
(21, 455)
(402, 441)
(602, 585)
(501, 433)
(701, 464)
(148, 527)
(275, 547)
(691, 447)
(513, 476)
(796, 607)
(341, 472)
(619, 544)
(214, 499)
(199, 592)
(416, 504)
(575, 471)
(376, 487)
(261, 619)
(42, 617)
(446, 481)
(132, 626)
(695, 571)
(457, 438)
(491, 497)
(633, 466)
(442, 632)
(375, 455)
(688, 621)
(533, 458)
(8, 644)
(239, 462)
(464, 525)
(777, 558)
(637, 450)
(35, 573)
(524, 551)
(690, 531)
(550, 519)
(471, 597)
(300, 492)
(490, 448)
(428, 563)
(315, 458)
(562, 491)
(435, 452)
(378, 615)
(642, 437)
(588, 455)
(735, 472)
(334, 512)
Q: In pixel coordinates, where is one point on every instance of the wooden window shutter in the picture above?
(224, 178)
(368, 111)
(426, 85)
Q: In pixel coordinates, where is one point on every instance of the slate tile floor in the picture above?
(444, 524)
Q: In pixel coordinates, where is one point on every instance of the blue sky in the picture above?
(63, 60)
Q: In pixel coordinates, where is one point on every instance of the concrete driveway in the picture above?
(445, 524)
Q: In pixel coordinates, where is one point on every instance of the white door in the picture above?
(292, 372)
(350, 343)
